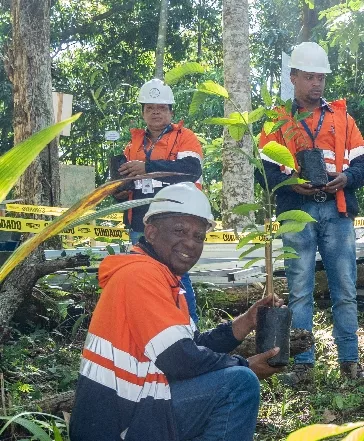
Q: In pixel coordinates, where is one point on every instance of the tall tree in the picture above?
(237, 173)
(30, 73)
(161, 41)
(29, 69)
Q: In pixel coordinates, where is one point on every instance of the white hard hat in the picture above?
(310, 57)
(155, 92)
(190, 200)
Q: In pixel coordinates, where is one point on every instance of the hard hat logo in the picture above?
(155, 91)
(310, 57)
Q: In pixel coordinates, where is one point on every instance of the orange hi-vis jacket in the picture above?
(178, 150)
(343, 150)
(140, 338)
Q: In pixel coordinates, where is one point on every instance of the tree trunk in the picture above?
(309, 21)
(237, 173)
(29, 70)
(161, 42)
(33, 108)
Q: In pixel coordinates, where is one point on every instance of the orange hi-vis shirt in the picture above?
(338, 137)
(178, 150)
(140, 336)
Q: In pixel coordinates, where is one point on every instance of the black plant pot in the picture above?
(273, 329)
(313, 167)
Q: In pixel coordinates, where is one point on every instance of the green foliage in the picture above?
(279, 154)
(31, 422)
(14, 162)
(245, 209)
(178, 72)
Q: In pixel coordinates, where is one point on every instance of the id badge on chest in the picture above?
(147, 186)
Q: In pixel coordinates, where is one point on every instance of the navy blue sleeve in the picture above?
(184, 359)
(219, 339)
(355, 173)
(189, 165)
(274, 177)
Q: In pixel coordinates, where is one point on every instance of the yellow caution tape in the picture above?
(55, 211)
(35, 226)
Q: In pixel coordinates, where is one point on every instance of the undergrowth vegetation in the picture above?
(42, 359)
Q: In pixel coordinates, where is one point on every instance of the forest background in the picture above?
(101, 53)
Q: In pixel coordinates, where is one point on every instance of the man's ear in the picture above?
(150, 232)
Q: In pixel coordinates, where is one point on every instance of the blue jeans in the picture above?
(217, 406)
(186, 281)
(334, 237)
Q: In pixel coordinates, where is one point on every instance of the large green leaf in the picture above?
(31, 426)
(300, 116)
(240, 118)
(295, 215)
(246, 239)
(220, 121)
(268, 126)
(267, 99)
(251, 249)
(197, 99)
(189, 68)
(212, 88)
(59, 224)
(278, 125)
(289, 181)
(290, 227)
(14, 162)
(286, 256)
(317, 432)
(279, 153)
(235, 118)
(245, 209)
(237, 131)
(256, 114)
(252, 261)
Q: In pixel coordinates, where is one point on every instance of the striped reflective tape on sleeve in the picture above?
(121, 359)
(165, 339)
(123, 388)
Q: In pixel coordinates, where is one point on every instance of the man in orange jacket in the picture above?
(329, 133)
(161, 147)
(147, 373)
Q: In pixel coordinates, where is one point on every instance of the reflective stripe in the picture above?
(355, 152)
(329, 154)
(123, 388)
(123, 434)
(345, 166)
(193, 325)
(181, 155)
(346, 154)
(330, 167)
(121, 359)
(165, 339)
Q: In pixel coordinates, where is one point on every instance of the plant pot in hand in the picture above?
(313, 167)
(273, 330)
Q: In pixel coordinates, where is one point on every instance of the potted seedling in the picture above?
(273, 323)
